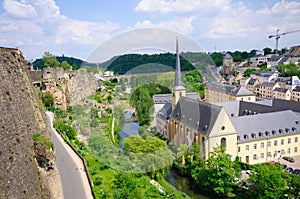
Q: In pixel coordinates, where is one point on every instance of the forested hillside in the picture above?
(128, 62)
(74, 62)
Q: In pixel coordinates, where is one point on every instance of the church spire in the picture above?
(178, 90)
(178, 81)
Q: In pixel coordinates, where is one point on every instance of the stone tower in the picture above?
(178, 90)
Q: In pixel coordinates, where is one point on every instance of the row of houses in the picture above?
(267, 85)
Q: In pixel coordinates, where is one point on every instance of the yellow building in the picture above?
(267, 137)
(282, 93)
(218, 92)
(296, 94)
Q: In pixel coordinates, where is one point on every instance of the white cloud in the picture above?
(179, 24)
(19, 9)
(37, 26)
(180, 6)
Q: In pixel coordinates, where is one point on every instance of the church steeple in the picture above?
(178, 90)
(178, 81)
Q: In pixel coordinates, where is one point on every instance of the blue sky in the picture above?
(76, 28)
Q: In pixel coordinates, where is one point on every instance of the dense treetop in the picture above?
(128, 62)
(56, 61)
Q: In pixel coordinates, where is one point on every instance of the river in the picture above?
(184, 185)
(180, 183)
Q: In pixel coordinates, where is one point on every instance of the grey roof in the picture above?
(229, 89)
(284, 59)
(231, 107)
(275, 58)
(262, 73)
(165, 112)
(296, 89)
(196, 114)
(281, 90)
(259, 55)
(256, 127)
(249, 108)
(242, 91)
(286, 105)
(252, 81)
(167, 98)
(227, 56)
(268, 84)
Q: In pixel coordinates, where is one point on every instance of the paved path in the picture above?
(70, 167)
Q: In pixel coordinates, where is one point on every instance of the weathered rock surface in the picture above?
(20, 119)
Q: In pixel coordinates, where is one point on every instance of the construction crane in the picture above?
(277, 36)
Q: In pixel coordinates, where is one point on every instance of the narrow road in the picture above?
(73, 178)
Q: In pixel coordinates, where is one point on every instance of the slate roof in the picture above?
(262, 126)
(231, 107)
(227, 56)
(165, 112)
(259, 55)
(252, 81)
(167, 98)
(284, 59)
(229, 89)
(196, 114)
(268, 84)
(296, 89)
(275, 58)
(286, 105)
(262, 73)
(281, 90)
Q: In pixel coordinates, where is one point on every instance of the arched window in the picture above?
(223, 142)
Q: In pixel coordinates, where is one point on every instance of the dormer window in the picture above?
(238, 138)
(267, 133)
(253, 135)
(287, 130)
(280, 131)
(260, 134)
(294, 129)
(274, 132)
(245, 136)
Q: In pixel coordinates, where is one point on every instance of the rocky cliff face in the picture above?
(21, 119)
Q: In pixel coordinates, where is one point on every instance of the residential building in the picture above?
(296, 94)
(265, 90)
(257, 60)
(251, 84)
(264, 76)
(218, 92)
(282, 93)
(292, 82)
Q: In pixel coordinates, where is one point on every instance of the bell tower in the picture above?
(178, 90)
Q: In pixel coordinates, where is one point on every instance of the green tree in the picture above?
(248, 72)
(219, 174)
(288, 70)
(217, 58)
(150, 154)
(267, 50)
(50, 60)
(268, 181)
(65, 65)
(47, 99)
(143, 103)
